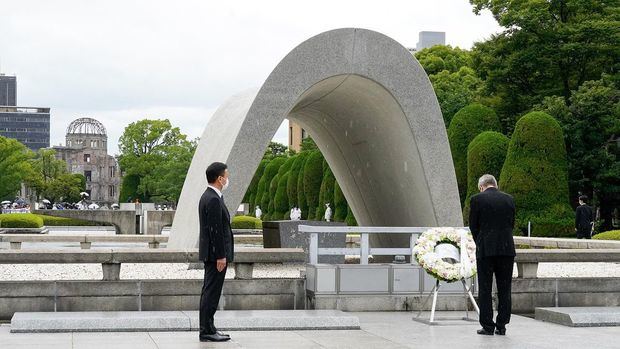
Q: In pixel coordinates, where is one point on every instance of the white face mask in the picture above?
(225, 186)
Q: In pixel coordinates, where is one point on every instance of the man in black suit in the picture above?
(491, 221)
(583, 219)
(216, 248)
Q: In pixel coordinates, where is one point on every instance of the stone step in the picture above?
(580, 316)
(151, 321)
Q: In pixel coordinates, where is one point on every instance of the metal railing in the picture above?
(365, 250)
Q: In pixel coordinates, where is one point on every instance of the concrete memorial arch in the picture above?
(372, 111)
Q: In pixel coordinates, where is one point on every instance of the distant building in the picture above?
(428, 39)
(8, 90)
(295, 135)
(86, 152)
(30, 126)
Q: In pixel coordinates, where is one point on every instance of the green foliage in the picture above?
(443, 58)
(608, 235)
(485, 155)
(271, 170)
(302, 203)
(274, 150)
(326, 193)
(455, 90)
(293, 178)
(65, 187)
(273, 188)
(312, 177)
(307, 144)
(14, 167)
(52, 221)
(281, 206)
(340, 204)
(246, 222)
(251, 192)
(350, 219)
(546, 48)
(535, 173)
(590, 124)
(20, 220)
(464, 127)
(129, 189)
(158, 154)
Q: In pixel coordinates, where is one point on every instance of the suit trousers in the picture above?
(501, 267)
(210, 297)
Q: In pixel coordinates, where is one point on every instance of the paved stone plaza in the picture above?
(379, 330)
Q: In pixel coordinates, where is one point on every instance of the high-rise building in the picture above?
(86, 152)
(296, 134)
(30, 126)
(8, 90)
(428, 39)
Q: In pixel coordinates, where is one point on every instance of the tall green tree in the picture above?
(15, 167)
(312, 179)
(166, 181)
(145, 146)
(546, 48)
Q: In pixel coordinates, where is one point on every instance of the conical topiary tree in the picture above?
(351, 221)
(302, 203)
(281, 208)
(340, 204)
(293, 178)
(250, 194)
(262, 195)
(271, 193)
(326, 195)
(485, 154)
(535, 174)
(466, 124)
(313, 176)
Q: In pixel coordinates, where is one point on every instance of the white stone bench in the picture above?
(85, 240)
(111, 259)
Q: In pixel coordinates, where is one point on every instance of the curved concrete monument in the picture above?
(372, 111)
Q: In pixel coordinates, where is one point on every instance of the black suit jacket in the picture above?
(583, 218)
(216, 237)
(491, 221)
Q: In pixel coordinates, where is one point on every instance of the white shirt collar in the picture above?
(216, 190)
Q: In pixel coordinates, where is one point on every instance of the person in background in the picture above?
(584, 219)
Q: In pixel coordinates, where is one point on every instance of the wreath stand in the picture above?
(432, 321)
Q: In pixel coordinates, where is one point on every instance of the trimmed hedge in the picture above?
(129, 189)
(302, 204)
(282, 210)
(466, 124)
(340, 204)
(485, 154)
(271, 193)
(351, 221)
(250, 195)
(271, 170)
(246, 222)
(64, 221)
(608, 235)
(313, 176)
(20, 220)
(535, 173)
(293, 178)
(326, 194)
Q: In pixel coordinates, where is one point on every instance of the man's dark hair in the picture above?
(215, 170)
(583, 198)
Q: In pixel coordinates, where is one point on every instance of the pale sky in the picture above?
(122, 61)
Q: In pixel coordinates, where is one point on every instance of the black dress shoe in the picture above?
(500, 331)
(223, 334)
(484, 332)
(213, 338)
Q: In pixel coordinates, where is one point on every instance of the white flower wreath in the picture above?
(434, 265)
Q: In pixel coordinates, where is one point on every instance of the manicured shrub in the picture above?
(350, 220)
(250, 194)
(326, 194)
(129, 189)
(302, 204)
(282, 210)
(271, 193)
(262, 194)
(313, 176)
(485, 154)
(20, 220)
(466, 124)
(608, 235)
(535, 174)
(293, 178)
(340, 204)
(246, 222)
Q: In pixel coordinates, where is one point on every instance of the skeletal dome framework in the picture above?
(86, 126)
